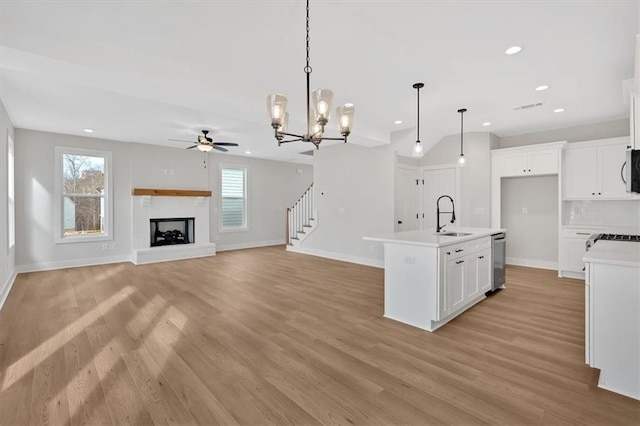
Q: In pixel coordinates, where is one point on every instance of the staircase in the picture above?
(301, 220)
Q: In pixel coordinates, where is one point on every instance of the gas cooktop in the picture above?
(619, 237)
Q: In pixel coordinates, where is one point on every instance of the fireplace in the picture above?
(172, 231)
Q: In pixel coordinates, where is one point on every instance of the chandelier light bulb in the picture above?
(418, 152)
(277, 111)
(322, 107)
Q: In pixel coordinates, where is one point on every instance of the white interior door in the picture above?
(438, 182)
(406, 199)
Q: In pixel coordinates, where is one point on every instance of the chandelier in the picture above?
(317, 118)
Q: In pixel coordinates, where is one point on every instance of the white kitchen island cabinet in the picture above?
(612, 315)
(431, 278)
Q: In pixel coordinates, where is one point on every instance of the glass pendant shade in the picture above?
(345, 118)
(285, 123)
(316, 132)
(321, 99)
(418, 152)
(277, 108)
(461, 159)
(205, 148)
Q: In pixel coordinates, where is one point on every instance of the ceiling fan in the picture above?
(206, 144)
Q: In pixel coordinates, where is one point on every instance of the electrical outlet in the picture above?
(342, 210)
(409, 260)
(105, 246)
(525, 210)
(114, 246)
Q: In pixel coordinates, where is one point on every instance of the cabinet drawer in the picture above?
(461, 249)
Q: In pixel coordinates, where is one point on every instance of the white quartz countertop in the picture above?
(625, 253)
(430, 238)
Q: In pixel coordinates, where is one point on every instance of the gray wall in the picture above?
(273, 185)
(532, 236)
(7, 256)
(607, 129)
(475, 177)
(354, 197)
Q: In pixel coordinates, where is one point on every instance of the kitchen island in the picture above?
(430, 278)
(612, 315)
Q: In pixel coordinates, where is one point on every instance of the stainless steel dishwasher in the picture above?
(498, 254)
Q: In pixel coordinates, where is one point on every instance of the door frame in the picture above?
(417, 173)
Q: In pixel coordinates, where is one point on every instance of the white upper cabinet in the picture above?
(527, 161)
(593, 170)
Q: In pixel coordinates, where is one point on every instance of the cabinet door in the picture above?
(511, 164)
(443, 287)
(543, 162)
(572, 251)
(611, 158)
(483, 271)
(580, 172)
(455, 283)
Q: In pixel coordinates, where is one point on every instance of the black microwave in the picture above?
(631, 171)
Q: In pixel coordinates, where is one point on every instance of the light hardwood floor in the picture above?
(263, 336)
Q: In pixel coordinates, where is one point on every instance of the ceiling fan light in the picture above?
(277, 108)
(205, 147)
(321, 99)
(345, 118)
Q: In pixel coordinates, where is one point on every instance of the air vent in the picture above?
(528, 106)
(310, 152)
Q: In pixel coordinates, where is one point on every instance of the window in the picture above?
(233, 193)
(11, 191)
(83, 189)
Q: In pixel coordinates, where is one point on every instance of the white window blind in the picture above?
(233, 193)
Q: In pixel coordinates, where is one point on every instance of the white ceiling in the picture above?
(147, 71)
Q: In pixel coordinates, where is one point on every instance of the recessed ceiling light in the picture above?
(541, 88)
(88, 130)
(397, 122)
(486, 123)
(513, 50)
(247, 152)
(558, 110)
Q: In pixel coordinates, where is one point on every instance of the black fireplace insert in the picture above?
(172, 231)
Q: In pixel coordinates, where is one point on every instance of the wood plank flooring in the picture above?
(264, 336)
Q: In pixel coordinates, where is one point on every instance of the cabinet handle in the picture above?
(582, 233)
(529, 169)
(459, 262)
(481, 257)
(524, 170)
(593, 193)
(448, 252)
(599, 193)
(459, 250)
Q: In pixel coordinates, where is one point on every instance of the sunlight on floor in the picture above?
(18, 369)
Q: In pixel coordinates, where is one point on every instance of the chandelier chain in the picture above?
(308, 69)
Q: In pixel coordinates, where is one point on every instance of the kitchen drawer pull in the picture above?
(583, 233)
(459, 250)
(459, 262)
(480, 257)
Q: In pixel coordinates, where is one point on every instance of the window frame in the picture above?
(58, 216)
(11, 191)
(245, 170)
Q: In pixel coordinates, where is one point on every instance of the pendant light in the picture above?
(321, 100)
(418, 151)
(461, 159)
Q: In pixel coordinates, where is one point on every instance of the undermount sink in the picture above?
(453, 234)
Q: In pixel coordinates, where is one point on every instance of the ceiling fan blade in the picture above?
(219, 148)
(191, 147)
(225, 144)
(179, 140)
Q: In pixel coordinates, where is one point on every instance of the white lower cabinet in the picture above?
(466, 275)
(572, 250)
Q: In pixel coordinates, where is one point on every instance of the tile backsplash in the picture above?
(606, 213)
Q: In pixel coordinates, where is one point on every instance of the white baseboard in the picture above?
(75, 263)
(338, 256)
(571, 274)
(6, 288)
(227, 247)
(170, 253)
(532, 263)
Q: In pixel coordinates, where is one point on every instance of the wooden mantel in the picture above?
(171, 192)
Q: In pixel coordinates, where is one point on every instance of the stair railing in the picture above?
(299, 215)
